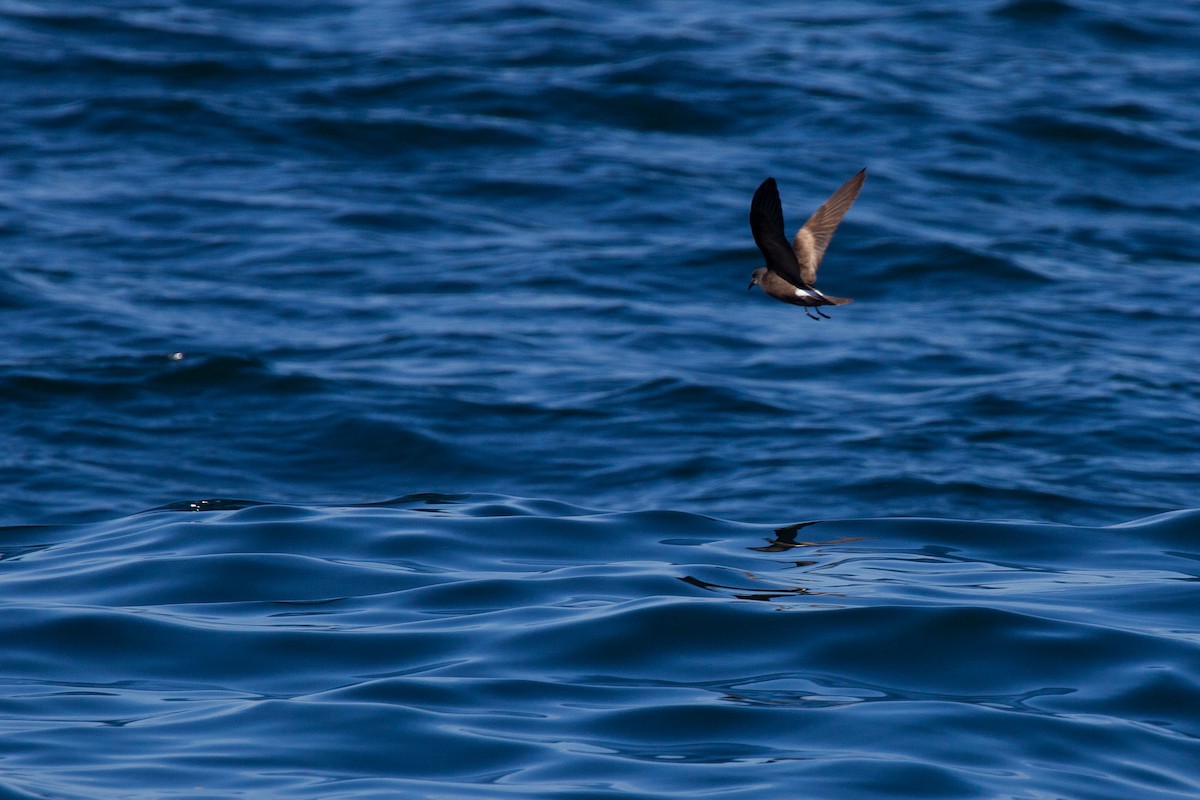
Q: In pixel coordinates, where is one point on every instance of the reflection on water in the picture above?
(745, 593)
(388, 650)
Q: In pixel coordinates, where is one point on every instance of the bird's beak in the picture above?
(751, 286)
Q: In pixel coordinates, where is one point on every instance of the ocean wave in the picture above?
(1136, 146)
(679, 648)
(1035, 10)
(926, 265)
(172, 372)
(395, 134)
(674, 392)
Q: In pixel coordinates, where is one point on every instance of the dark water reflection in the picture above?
(475, 645)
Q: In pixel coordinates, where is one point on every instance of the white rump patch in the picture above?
(810, 293)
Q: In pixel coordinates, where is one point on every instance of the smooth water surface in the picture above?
(475, 646)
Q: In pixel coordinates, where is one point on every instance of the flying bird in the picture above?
(791, 270)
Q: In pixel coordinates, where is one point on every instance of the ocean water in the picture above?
(383, 412)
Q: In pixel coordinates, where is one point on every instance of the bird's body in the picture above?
(791, 268)
(780, 289)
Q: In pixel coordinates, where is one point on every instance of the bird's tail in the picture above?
(838, 301)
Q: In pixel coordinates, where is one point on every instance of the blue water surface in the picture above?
(387, 271)
(483, 646)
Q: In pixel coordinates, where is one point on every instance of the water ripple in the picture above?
(549, 644)
(324, 253)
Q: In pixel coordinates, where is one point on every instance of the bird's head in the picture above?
(757, 276)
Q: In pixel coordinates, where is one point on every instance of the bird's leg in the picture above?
(822, 313)
(810, 316)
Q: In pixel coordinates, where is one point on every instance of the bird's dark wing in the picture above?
(766, 223)
(811, 240)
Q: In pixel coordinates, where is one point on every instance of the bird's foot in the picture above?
(822, 313)
(810, 316)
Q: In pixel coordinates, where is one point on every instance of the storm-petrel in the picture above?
(791, 270)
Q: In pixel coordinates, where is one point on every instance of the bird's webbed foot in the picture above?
(822, 313)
